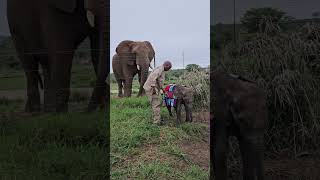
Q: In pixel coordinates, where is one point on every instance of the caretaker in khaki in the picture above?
(153, 87)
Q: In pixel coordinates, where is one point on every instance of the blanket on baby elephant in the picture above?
(168, 96)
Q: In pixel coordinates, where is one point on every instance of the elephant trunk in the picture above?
(144, 75)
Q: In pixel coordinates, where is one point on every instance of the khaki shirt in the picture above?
(155, 77)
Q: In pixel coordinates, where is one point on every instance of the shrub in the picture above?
(200, 82)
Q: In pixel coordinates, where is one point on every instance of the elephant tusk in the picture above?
(90, 18)
(138, 67)
(150, 66)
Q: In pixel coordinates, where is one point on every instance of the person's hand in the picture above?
(161, 91)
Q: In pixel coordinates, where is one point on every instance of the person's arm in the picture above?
(161, 81)
(154, 80)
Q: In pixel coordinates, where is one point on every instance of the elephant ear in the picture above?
(151, 53)
(65, 5)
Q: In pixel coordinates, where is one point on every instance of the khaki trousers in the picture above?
(155, 105)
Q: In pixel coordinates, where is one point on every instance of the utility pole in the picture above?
(183, 59)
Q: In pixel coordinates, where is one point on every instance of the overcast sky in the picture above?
(172, 26)
(222, 10)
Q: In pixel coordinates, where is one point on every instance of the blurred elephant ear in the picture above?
(65, 5)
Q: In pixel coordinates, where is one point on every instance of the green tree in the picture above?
(254, 18)
(191, 67)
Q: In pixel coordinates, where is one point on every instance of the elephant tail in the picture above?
(40, 81)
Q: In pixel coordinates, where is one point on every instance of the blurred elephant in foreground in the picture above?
(131, 58)
(240, 110)
(47, 33)
(182, 95)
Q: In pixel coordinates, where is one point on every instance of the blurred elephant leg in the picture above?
(60, 72)
(30, 66)
(259, 149)
(247, 153)
(47, 97)
(220, 150)
(251, 147)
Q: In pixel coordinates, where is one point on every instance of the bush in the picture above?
(281, 64)
(200, 82)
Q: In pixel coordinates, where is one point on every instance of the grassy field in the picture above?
(52, 146)
(81, 76)
(141, 150)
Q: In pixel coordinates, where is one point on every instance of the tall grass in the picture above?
(286, 65)
(199, 81)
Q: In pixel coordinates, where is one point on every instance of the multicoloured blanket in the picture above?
(168, 96)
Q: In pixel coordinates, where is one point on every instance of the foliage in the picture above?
(254, 19)
(286, 66)
(200, 82)
(192, 67)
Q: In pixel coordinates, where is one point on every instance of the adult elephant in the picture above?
(131, 58)
(47, 33)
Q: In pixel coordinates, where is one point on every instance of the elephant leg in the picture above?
(258, 148)
(141, 90)
(120, 88)
(31, 67)
(248, 158)
(128, 86)
(60, 72)
(47, 96)
(220, 149)
(178, 122)
(188, 109)
(33, 101)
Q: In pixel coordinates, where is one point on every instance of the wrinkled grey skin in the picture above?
(184, 97)
(239, 109)
(129, 55)
(47, 33)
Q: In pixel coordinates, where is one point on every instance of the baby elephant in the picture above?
(239, 109)
(176, 96)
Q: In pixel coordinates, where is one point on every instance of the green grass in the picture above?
(81, 76)
(53, 146)
(133, 137)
